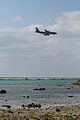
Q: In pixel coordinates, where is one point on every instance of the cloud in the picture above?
(69, 23)
(17, 18)
(48, 53)
(67, 27)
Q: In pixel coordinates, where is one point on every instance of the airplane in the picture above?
(45, 32)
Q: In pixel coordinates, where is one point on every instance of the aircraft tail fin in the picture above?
(45, 30)
(37, 30)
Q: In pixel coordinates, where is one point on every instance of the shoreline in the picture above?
(49, 113)
(22, 106)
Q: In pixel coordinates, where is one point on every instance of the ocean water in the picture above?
(57, 92)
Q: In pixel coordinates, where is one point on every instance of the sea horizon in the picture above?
(37, 78)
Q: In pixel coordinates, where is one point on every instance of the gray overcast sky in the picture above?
(26, 53)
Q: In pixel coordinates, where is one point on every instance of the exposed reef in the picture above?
(3, 91)
(39, 89)
(77, 83)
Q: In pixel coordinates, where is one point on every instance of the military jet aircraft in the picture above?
(45, 32)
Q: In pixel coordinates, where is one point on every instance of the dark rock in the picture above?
(29, 105)
(69, 88)
(39, 106)
(7, 106)
(70, 96)
(57, 110)
(23, 105)
(27, 96)
(34, 105)
(42, 89)
(10, 112)
(3, 91)
(39, 89)
(35, 89)
(78, 80)
(24, 96)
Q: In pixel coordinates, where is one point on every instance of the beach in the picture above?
(50, 113)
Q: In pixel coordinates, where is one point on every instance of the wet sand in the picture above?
(50, 113)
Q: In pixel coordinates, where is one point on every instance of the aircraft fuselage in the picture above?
(45, 32)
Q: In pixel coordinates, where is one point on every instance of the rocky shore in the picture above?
(50, 113)
(77, 83)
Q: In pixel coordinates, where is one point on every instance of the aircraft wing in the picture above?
(46, 31)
